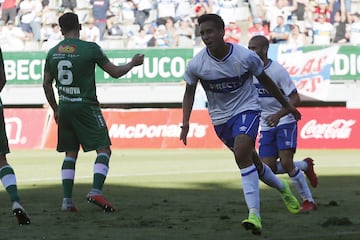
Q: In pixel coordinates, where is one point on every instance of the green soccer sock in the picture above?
(8, 180)
(68, 175)
(101, 168)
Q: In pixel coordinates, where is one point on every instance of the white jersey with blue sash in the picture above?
(269, 104)
(228, 82)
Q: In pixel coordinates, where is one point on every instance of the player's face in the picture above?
(256, 47)
(253, 46)
(211, 35)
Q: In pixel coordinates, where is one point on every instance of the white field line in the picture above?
(134, 175)
(183, 172)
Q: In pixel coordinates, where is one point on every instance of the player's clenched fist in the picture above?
(137, 59)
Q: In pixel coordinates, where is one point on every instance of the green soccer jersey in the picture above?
(4, 145)
(72, 62)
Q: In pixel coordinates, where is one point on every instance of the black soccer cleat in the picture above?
(21, 216)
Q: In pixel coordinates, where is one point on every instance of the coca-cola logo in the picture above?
(337, 129)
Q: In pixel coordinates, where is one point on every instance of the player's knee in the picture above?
(106, 151)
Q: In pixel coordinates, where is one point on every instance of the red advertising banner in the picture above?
(320, 127)
(155, 128)
(25, 128)
(159, 129)
(329, 127)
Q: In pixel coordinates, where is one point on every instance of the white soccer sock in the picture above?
(302, 165)
(301, 186)
(250, 182)
(8, 178)
(268, 177)
(68, 168)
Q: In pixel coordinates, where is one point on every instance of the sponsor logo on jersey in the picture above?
(224, 85)
(263, 92)
(66, 49)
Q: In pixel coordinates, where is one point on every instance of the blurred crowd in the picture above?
(32, 24)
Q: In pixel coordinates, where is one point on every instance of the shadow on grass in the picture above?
(206, 211)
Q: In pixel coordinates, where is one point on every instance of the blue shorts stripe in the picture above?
(250, 130)
(242, 123)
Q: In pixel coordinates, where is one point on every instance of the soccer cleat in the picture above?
(20, 214)
(310, 173)
(292, 204)
(68, 206)
(253, 223)
(308, 206)
(100, 201)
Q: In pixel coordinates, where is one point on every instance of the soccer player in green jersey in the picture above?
(7, 174)
(71, 63)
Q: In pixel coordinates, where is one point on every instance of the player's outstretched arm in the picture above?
(116, 71)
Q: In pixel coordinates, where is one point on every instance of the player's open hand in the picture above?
(295, 113)
(137, 59)
(273, 120)
(184, 133)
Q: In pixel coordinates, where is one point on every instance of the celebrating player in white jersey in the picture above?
(278, 135)
(225, 72)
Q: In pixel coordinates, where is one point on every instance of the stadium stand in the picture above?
(122, 24)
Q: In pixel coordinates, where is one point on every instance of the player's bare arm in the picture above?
(2, 75)
(116, 71)
(266, 81)
(187, 105)
(49, 92)
(274, 119)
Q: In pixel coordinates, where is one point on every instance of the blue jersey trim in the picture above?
(268, 65)
(249, 172)
(225, 58)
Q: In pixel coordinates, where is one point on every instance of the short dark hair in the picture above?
(264, 42)
(69, 21)
(216, 19)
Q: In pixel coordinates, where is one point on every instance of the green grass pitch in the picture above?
(178, 194)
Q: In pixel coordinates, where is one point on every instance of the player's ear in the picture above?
(222, 31)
